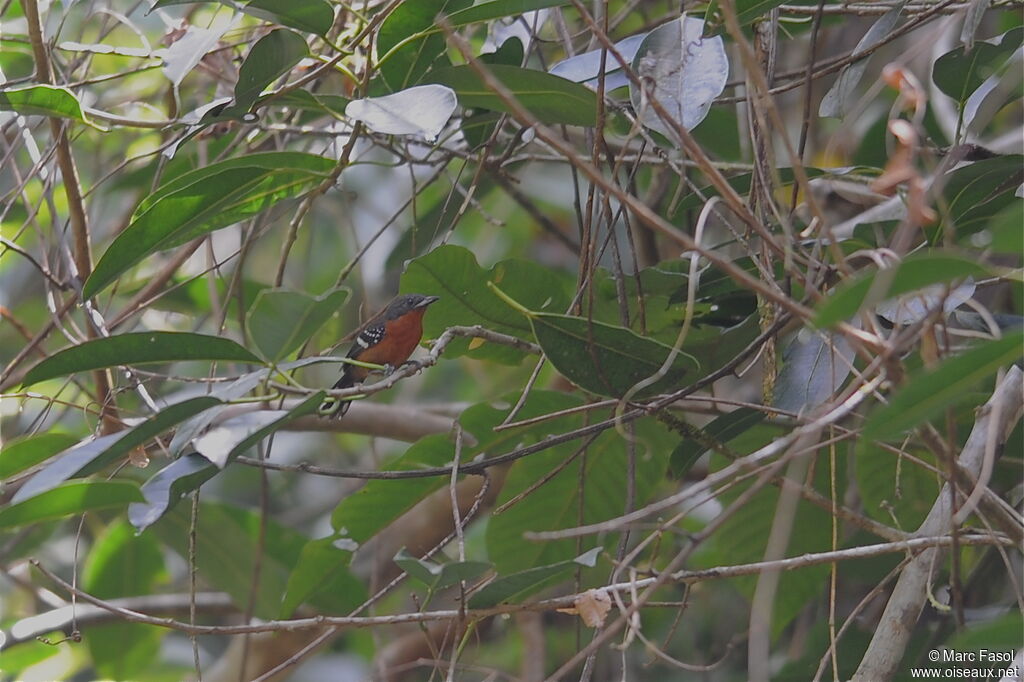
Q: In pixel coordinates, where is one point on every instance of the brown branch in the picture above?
(82, 252)
(717, 573)
(893, 633)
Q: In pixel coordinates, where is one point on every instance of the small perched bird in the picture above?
(388, 339)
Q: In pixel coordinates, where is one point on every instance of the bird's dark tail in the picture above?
(334, 407)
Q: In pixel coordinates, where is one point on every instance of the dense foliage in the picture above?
(723, 380)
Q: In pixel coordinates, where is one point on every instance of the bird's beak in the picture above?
(427, 301)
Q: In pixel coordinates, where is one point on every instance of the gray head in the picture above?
(407, 303)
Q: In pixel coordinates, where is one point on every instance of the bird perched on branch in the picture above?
(387, 339)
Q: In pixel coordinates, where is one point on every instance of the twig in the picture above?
(893, 632)
(720, 572)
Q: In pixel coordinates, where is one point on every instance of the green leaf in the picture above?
(418, 569)
(439, 576)
(304, 99)
(1005, 232)
(744, 536)
(204, 200)
(363, 514)
(227, 546)
(560, 503)
(21, 454)
(514, 588)
(496, 9)
(549, 98)
(271, 57)
(406, 65)
(25, 654)
(280, 321)
(452, 273)
(891, 486)
(976, 192)
(163, 490)
(71, 498)
(723, 429)
(123, 564)
(136, 348)
(226, 441)
(929, 392)
(916, 272)
(44, 100)
(313, 16)
(321, 577)
(455, 572)
(960, 72)
(609, 360)
(93, 455)
(998, 635)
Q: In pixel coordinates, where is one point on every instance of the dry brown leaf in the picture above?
(592, 606)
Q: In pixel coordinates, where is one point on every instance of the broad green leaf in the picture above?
(976, 192)
(609, 360)
(406, 65)
(226, 441)
(550, 98)
(136, 348)
(363, 514)
(204, 200)
(514, 588)
(123, 564)
(93, 455)
(916, 272)
(313, 16)
(280, 321)
(71, 498)
(271, 57)
(163, 490)
(452, 273)
(744, 536)
(25, 654)
(960, 72)
(43, 100)
(559, 502)
(227, 547)
(422, 570)
(927, 393)
(723, 429)
(1004, 230)
(891, 486)
(227, 544)
(321, 576)
(438, 576)
(304, 99)
(1001, 635)
(496, 9)
(24, 453)
(454, 572)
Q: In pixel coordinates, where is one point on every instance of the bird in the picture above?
(388, 339)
